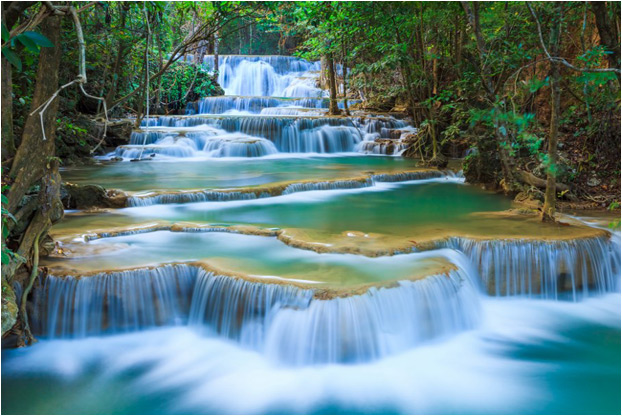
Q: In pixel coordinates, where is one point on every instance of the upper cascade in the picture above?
(273, 104)
(267, 76)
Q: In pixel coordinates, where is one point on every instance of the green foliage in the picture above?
(613, 206)
(32, 41)
(65, 128)
(185, 83)
(7, 254)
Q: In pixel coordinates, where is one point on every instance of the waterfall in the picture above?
(206, 195)
(279, 76)
(298, 325)
(549, 269)
(113, 302)
(191, 196)
(379, 322)
(252, 136)
(272, 106)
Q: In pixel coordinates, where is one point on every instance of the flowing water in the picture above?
(266, 263)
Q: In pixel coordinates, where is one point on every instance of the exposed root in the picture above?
(26, 337)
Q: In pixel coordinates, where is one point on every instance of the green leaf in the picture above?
(39, 39)
(5, 33)
(5, 257)
(28, 43)
(5, 200)
(12, 58)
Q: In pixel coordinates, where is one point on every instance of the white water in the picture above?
(526, 357)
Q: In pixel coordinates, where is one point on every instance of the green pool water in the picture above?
(399, 209)
(227, 173)
(256, 256)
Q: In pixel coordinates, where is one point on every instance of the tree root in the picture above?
(26, 337)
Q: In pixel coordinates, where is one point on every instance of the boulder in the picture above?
(91, 196)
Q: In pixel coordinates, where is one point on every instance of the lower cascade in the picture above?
(568, 269)
(289, 323)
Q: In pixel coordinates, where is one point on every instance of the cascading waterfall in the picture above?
(261, 316)
(558, 269)
(273, 106)
(125, 301)
(252, 136)
(279, 76)
(375, 324)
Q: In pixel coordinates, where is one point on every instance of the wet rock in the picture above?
(91, 196)
(9, 307)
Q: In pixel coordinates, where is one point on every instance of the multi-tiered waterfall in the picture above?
(262, 263)
(272, 105)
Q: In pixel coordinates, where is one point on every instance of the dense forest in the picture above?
(528, 94)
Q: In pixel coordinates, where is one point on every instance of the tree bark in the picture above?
(333, 108)
(8, 142)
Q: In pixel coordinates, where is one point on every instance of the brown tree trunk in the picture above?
(550, 194)
(34, 157)
(33, 153)
(11, 11)
(333, 108)
(608, 32)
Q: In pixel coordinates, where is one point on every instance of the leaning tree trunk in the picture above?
(35, 164)
(333, 108)
(35, 149)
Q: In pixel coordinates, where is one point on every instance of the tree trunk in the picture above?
(11, 11)
(34, 157)
(8, 142)
(333, 108)
(550, 194)
(33, 153)
(609, 36)
(345, 80)
(216, 52)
